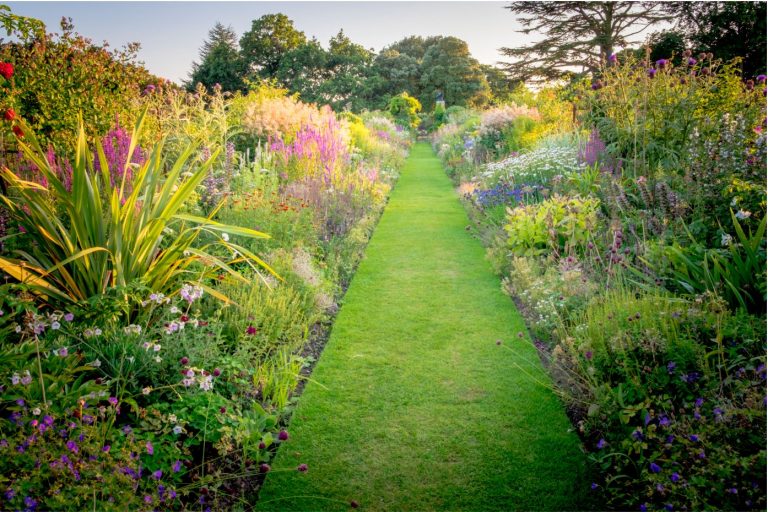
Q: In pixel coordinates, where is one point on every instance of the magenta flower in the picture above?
(612, 58)
(264, 468)
(150, 448)
(283, 435)
(157, 475)
(303, 468)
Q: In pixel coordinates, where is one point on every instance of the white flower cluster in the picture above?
(534, 167)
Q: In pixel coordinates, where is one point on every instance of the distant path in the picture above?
(419, 409)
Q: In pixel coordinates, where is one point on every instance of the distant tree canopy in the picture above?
(577, 35)
(727, 29)
(268, 41)
(220, 61)
(423, 66)
(346, 75)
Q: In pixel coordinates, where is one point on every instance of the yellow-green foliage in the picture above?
(560, 224)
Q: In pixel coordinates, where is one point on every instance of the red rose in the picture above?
(18, 131)
(9, 115)
(6, 69)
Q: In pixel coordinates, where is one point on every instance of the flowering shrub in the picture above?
(502, 129)
(57, 77)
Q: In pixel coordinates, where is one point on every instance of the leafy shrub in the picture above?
(57, 78)
(560, 224)
(103, 242)
(735, 272)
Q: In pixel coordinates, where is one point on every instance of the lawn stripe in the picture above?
(413, 406)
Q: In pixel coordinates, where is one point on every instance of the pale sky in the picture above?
(171, 33)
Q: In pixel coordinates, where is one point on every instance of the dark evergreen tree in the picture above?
(220, 61)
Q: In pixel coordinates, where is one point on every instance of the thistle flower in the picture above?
(283, 435)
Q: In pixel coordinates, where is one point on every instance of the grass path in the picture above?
(414, 407)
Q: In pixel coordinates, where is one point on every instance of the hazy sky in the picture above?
(171, 33)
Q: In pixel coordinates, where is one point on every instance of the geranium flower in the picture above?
(6, 70)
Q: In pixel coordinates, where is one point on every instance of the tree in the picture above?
(405, 109)
(450, 68)
(727, 29)
(577, 34)
(348, 69)
(501, 86)
(304, 70)
(270, 38)
(220, 61)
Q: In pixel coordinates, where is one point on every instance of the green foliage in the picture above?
(59, 77)
(735, 272)
(648, 115)
(448, 66)
(90, 238)
(220, 62)
(268, 40)
(561, 225)
(405, 108)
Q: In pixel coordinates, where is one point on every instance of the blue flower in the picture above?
(664, 421)
(655, 468)
(675, 477)
(671, 367)
(601, 444)
(593, 486)
(637, 435)
(694, 438)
